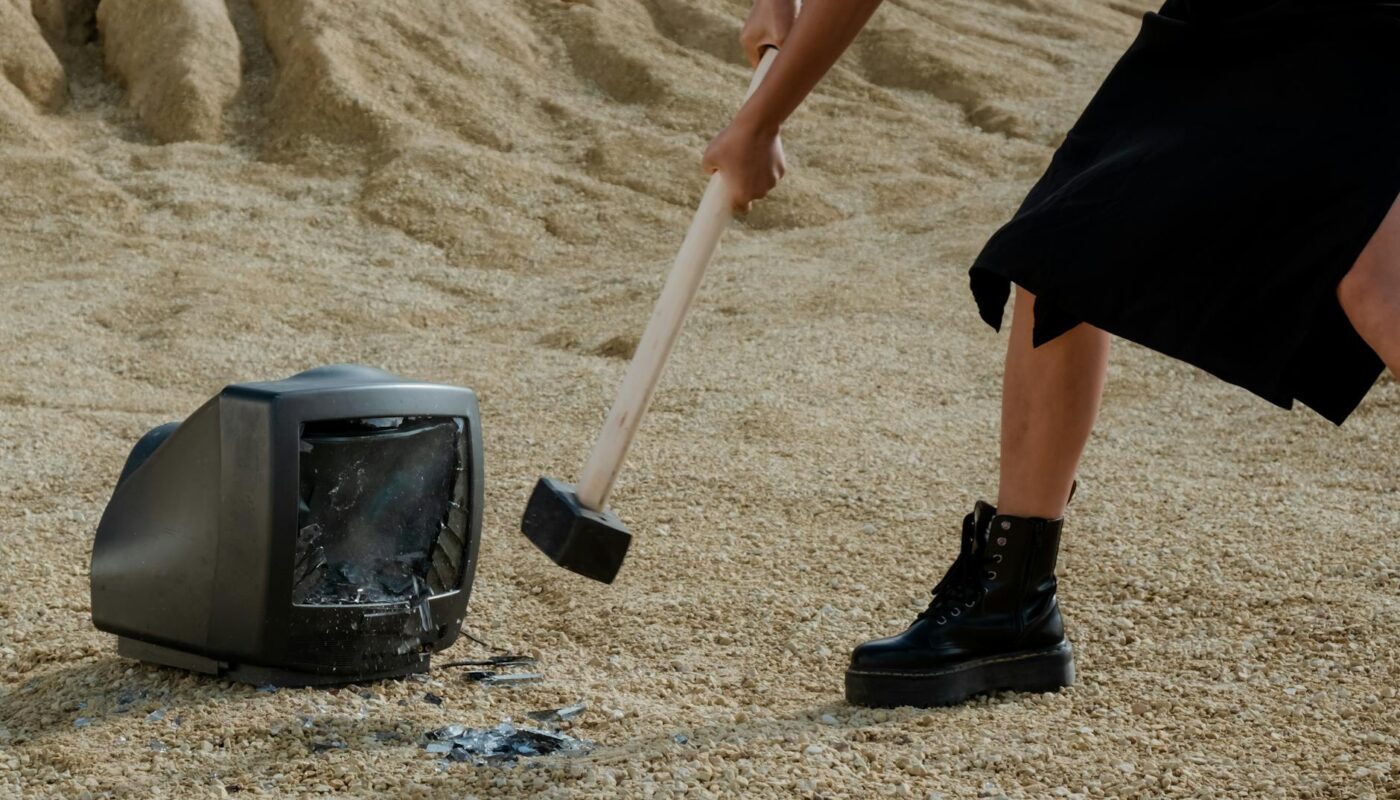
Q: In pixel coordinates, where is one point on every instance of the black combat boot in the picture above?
(993, 624)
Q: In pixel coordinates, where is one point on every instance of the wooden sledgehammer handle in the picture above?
(634, 395)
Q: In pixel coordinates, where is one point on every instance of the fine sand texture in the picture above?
(488, 193)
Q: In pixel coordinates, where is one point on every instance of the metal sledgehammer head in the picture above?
(591, 543)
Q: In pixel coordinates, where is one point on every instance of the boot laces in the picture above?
(963, 585)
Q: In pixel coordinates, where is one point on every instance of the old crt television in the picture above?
(318, 529)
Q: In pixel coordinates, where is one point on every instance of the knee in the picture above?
(1374, 281)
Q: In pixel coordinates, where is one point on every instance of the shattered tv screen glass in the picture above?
(383, 510)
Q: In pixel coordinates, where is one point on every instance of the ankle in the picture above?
(1032, 511)
(1041, 506)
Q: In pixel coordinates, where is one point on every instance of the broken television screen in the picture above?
(382, 516)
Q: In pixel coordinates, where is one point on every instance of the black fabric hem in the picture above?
(991, 290)
(1331, 343)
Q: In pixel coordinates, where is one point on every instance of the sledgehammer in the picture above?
(571, 524)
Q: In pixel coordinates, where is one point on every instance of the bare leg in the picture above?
(1370, 292)
(1050, 398)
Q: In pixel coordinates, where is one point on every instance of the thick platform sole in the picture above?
(1034, 671)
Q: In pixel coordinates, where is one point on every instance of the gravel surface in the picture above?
(488, 194)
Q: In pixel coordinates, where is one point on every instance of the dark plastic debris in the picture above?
(494, 661)
(321, 747)
(429, 697)
(501, 744)
(559, 714)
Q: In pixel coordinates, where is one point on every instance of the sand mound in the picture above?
(488, 193)
(398, 80)
(17, 120)
(179, 60)
(360, 73)
(70, 22)
(26, 61)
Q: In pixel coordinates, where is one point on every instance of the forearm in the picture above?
(823, 31)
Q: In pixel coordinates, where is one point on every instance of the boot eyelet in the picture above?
(955, 612)
(942, 620)
(970, 604)
(997, 556)
(1001, 541)
(1006, 524)
(991, 575)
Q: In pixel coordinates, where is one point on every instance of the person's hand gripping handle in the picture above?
(634, 395)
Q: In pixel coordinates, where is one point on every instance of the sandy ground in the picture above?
(487, 193)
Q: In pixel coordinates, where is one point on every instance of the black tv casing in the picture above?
(193, 559)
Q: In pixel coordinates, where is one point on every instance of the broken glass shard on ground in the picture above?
(382, 510)
(492, 678)
(501, 744)
(559, 714)
(512, 679)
